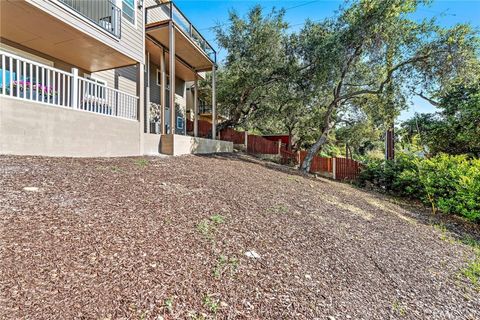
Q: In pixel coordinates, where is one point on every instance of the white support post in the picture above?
(214, 104)
(147, 94)
(195, 108)
(246, 139)
(279, 146)
(141, 103)
(74, 91)
(163, 91)
(171, 35)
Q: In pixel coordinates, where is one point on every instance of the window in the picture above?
(179, 123)
(128, 10)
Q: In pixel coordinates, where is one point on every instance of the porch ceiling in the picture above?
(35, 29)
(181, 70)
(185, 49)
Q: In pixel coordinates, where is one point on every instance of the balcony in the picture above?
(30, 81)
(103, 13)
(62, 35)
(190, 46)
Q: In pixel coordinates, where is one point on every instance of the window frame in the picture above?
(125, 16)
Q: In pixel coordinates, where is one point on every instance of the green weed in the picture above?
(141, 162)
(225, 264)
(204, 228)
(211, 304)
(217, 219)
(169, 304)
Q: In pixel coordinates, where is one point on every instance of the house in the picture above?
(93, 78)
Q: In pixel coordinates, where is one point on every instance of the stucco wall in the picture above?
(179, 144)
(28, 128)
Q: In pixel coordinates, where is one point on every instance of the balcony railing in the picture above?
(31, 81)
(169, 11)
(104, 13)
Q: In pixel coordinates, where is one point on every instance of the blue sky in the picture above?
(205, 14)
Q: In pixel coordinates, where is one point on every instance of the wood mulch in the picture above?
(165, 238)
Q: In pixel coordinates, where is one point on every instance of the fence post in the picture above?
(246, 139)
(334, 168)
(74, 91)
(279, 146)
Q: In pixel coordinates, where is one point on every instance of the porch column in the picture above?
(214, 104)
(171, 34)
(141, 103)
(195, 108)
(147, 94)
(163, 91)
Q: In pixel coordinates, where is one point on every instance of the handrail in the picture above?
(113, 89)
(103, 13)
(171, 5)
(29, 80)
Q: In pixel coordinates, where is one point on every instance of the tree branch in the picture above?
(430, 100)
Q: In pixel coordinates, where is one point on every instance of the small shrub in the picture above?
(141, 162)
(204, 228)
(169, 304)
(217, 219)
(450, 184)
(211, 304)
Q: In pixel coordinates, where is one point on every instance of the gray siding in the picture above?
(130, 43)
(156, 14)
(124, 79)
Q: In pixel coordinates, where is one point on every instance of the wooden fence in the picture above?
(346, 169)
(319, 164)
(338, 168)
(229, 134)
(288, 157)
(260, 145)
(204, 128)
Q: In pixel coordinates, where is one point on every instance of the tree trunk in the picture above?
(289, 145)
(307, 162)
(317, 146)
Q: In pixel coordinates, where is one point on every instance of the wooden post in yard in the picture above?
(246, 140)
(334, 168)
(279, 146)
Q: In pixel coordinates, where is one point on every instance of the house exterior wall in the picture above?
(28, 128)
(124, 79)
(131, 42)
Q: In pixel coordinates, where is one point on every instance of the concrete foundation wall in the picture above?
(151, 144)
(28, 128)
(180, 144)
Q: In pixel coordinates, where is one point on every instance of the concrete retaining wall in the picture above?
(180, 144)
(28, 128)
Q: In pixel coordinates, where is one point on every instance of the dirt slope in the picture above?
(127, 238)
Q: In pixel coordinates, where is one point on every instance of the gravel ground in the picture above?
(153, 238)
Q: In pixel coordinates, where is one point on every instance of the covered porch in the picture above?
(177, 58)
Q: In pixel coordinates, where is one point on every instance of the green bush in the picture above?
(450, 184)
(399, 177)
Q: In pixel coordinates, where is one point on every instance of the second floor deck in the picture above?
(190, 46)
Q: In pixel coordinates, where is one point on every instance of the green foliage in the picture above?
(141, 162)
(452, 184)
(211, 303)
(224, 264)
(217, 219)
(455, 129)
(254, 62)
(399, 177)
(448, 183)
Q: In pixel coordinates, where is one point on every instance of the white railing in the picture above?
(29, 80)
